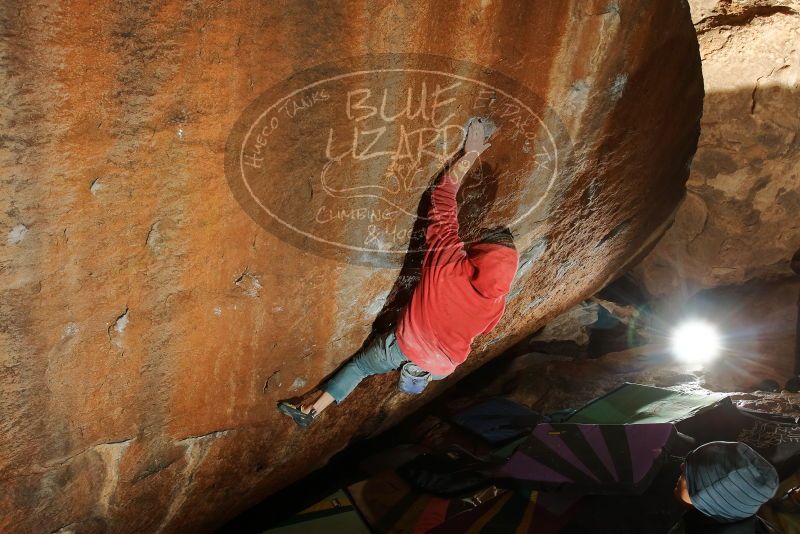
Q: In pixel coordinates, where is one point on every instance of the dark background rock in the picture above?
(739, 219)
(738, 228)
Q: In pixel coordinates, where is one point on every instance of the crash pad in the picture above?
(637, 403)
(388, 504)
(334, 513)
(513, 511)
(592, 459)
(497, 420)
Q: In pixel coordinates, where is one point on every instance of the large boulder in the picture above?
(153, 309)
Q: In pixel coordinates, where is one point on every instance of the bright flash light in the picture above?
(695, 342)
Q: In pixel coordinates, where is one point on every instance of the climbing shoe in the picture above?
(302, 419)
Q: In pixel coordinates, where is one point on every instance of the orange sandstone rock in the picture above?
(151, 315)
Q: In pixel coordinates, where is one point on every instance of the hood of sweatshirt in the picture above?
(494, 268)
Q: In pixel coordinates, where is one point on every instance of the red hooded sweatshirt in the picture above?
(460, 295)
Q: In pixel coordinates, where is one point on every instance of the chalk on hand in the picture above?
(489, 128)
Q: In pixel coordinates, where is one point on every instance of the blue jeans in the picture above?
(382, 355)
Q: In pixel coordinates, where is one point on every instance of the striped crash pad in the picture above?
(591, 459)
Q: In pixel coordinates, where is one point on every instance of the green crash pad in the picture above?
(636, 403)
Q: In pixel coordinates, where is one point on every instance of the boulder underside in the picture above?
(155, 308)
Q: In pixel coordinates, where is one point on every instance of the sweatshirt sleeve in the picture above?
(441, 236)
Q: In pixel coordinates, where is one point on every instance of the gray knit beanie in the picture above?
(729, 481)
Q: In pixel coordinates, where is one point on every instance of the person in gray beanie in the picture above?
(715, 488)
(728, 481)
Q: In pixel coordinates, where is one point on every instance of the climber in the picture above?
(460, 295)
